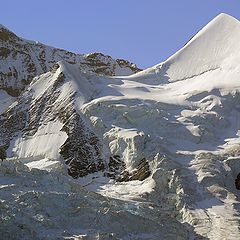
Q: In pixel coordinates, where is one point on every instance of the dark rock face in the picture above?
(11, 122)
(103, 62)
(237, 182)
(81, 151)
(142, 172)
(2, 153)
(116, 170)
(115, 167)
(7, 36)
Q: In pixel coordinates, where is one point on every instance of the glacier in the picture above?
(94, 154)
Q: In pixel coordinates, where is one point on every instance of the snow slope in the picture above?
(166, 137)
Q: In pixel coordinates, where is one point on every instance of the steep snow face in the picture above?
(216, 46)
(167, 136)
(45, 142)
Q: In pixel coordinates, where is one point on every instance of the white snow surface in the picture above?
(45, 142)
(181, 115)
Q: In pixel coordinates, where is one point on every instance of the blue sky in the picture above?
(145, 32)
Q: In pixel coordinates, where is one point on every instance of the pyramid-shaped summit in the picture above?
(214, 46)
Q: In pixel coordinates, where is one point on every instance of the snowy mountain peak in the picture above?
(222, 24)
(216, 46)
(225, 16)
(162, 145)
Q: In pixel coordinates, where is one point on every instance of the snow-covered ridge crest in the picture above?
(21, 60)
